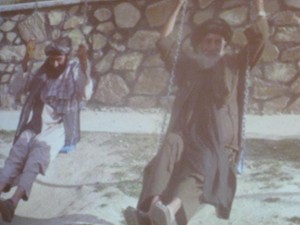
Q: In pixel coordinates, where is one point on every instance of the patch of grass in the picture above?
(7, 136)
(132, 189)
(295, 220)
(281, 150)
(109, 194)
(271, 200)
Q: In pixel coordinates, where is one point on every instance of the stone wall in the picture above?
(121, 37)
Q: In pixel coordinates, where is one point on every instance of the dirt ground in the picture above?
(95, 183)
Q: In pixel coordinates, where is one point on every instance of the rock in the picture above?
(288, 34)
(270, 53)
(201, 16)
(263, 90)
(39, 51)
(290, 54)
(272, 7)
(143, 40)
(275, 105)
(166, 102)
(9, 53)
(99, 41)
(1, 36)
(33, 28)
(239, 37)
(121, 13)
(74, 9)
(282, 72)
(7, 100)
(236, 16)
(73, 22)
(111, 90)
(87, 29)
(129, 61)
(5, 78)
(117, 46)
(103, 14)
(153, 61)
(204, 3)
(7, 26)
(142, 102)
(254, 107)
(152, 81)
(77, 38)
(55, 34)
(295, 87)
(292, 3)
(286, 18)
(3, 66)
(55, 17)
(106, 28)
(11, 36)
(157, 13)
(130, 76)
(295, 106)
(104, 65)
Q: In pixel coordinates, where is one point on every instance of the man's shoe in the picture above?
(160, 215)
(7, 210)
(135, 217)
(67, 149)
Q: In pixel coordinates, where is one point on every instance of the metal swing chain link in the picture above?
(245, 107)
(172, 74)
(77, 118)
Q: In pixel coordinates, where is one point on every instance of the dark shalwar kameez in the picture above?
(197, 160)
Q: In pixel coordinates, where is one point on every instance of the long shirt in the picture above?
(207, 112)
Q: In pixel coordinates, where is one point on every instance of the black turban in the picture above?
(59, 47)
(215, 26)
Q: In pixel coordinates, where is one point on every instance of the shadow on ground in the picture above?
(64, 220)
(95, 183)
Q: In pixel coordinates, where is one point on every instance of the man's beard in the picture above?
(207, 61)
(54, 72)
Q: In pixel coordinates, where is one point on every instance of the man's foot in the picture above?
(7, 210)
(67, 149)
(135, 217)
(160, 215)
(6, 188)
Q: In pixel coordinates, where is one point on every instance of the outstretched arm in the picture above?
(169, 27)
(260, 9)
(257, 34)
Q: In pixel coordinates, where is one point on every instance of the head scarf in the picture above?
(215, 26)
(59, 47)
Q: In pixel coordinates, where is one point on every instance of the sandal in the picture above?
(161, 215)
(135, 217)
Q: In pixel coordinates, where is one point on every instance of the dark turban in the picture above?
(215, 26)
(59, 47)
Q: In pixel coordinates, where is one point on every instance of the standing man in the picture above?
(53, 101)
(196, 163)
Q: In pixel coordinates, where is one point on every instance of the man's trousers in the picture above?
(31, 155)
(170, 175)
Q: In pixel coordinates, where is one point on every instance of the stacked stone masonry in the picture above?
(121, 37)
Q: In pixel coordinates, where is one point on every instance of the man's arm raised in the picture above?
(257, 33)
(169, 27)
(260, 9)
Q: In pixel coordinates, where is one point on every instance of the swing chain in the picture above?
(172, 74)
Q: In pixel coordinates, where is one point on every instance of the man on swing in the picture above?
(48, 115)
(196, 163)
